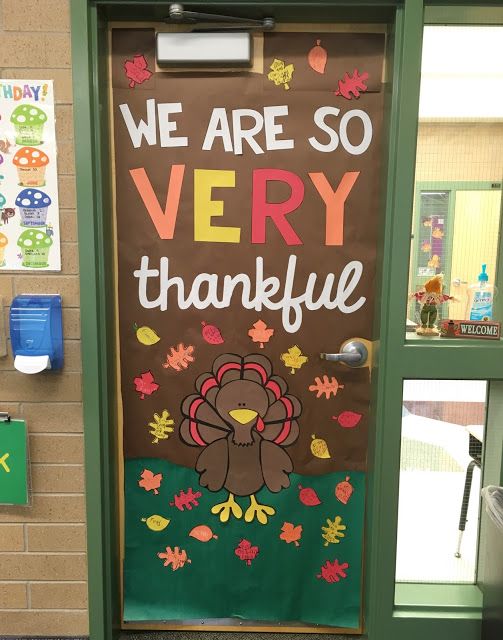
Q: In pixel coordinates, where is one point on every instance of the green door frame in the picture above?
(424, 611)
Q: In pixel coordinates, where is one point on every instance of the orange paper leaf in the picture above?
(317, 58)
(179, 358)
(202, 533)
(326, 386)
(260, 333)
(174, 557)
(291, 533)
(149, 481)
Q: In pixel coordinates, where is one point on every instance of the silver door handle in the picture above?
(353, 353)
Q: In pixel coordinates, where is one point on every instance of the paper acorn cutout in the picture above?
(308, 496)
(317, 58)
(344, 491)
(211, 333)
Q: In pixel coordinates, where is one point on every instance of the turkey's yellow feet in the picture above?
(259, 511)
(225, 508)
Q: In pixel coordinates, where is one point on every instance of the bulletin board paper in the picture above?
(276, 533)
(13, 463)
(29, 207)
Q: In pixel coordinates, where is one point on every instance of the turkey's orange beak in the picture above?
(243, 416)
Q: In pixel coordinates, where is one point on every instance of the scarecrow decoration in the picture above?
(429, 298)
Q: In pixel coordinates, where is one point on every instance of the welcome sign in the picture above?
(247, 216)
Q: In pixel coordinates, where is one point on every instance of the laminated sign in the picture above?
(247, 217)
(29, 209)
(13, 462)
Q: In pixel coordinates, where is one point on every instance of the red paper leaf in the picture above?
(211, 334)
(308, 496)
(145, 384)
(246, 552)
(348, 419)
(184, 500)
(333, 571)
(350, 86)
(136, 70)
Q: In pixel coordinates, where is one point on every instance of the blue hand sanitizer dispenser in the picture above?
(36, 333)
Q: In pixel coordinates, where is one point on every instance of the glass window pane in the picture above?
(459, 171)
(440, 470)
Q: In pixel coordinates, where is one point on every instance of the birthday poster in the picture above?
(247, 215)
(29, 210)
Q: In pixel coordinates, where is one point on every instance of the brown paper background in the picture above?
(321, 330)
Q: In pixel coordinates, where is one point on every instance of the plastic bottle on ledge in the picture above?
(481, 298)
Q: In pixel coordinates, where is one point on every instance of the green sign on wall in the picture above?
(13, 463)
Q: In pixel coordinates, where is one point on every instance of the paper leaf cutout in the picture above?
(211, 333)
(179, 358)
(319, 447)
(161, 427)
(246, 552)
(149, 481)
(156, 522)
(333, 532)
(317, 58)
(325, 386)
(174, 557)
(291, 533)
(136, 70)
(281, 74)
(146, 335)
(333, 571)
(145, 384)
(260, 333)
(293, 358)
(184, 500)
(344, 490)
(202, 533)
(308, 496)
(348, 419)
(351, 86)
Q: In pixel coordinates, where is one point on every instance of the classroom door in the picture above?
(246, 215)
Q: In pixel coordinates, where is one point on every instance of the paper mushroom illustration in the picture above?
(243, 418)
(28, 121)
(31, 164)
(33, 205)
(35, 245)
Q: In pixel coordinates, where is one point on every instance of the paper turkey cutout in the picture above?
(243, 418)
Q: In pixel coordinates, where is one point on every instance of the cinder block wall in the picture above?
(42, 547)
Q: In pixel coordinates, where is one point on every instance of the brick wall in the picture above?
(43, 587)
